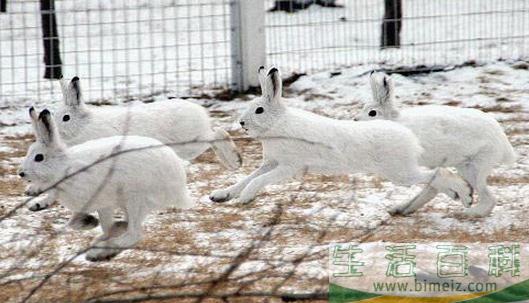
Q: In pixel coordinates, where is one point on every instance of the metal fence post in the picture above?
(50, 37)
(392, 23)
(248, 42)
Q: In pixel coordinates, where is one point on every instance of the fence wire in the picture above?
(313, 37)
(138, 49)
(128, 49)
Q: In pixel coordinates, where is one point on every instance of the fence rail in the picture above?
(139, 49)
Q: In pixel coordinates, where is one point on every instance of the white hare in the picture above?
(135, 174)
(182, 125)
(296, 141)
(468, 139)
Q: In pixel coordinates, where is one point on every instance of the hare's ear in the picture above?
(71, 92)
(64, 87)
(46, 130)
(34, 119)
(382, 88)
(273, 85)
(261, 73)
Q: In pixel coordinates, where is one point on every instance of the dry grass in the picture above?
(452, 103)
(502, 180)
(402, 230)
(501, 108)
(12, 186)
(178, 232)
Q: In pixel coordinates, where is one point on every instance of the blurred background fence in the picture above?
(432, 32)
(138, 49)
(126, 48)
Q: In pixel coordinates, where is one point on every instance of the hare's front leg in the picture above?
(233, 191)
(40, 202)
(274, 176)
(110, 244)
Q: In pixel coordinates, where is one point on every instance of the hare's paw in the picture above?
(83, 222)
(32, 191)
(465, 195)
(408, 211)
(477, 212)
(101, 254)
(221, 195)
(246, 196)
(39, 204)
(461, 190)
(404, 209)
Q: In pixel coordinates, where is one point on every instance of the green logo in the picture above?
(452, 261)
(433, 272)
(345, 258)
(401, 261)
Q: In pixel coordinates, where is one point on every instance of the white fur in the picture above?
(467, 139)
(296, 141)
(141, 176)
(182, 125)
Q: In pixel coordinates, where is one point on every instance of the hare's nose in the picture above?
(21, 174)
(242, 123)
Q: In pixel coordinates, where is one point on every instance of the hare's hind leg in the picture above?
(441, 180)
(476, 175)
(82, 221)
(110, 247)
(106, 217)
(225, 149)
(452, 185)
(191, 149)
(425, 196)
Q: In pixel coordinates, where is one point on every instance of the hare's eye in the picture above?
(372, 113)
(66, 118)
(39, 157)
(259, 110)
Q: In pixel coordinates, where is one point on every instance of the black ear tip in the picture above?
(44, 113)
(372, 72)
(75, 79)
(31, 110)
(260, 68)
(272, 71)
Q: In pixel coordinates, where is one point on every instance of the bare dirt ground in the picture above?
(273, 249)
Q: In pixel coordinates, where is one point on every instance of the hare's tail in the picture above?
(509, 156)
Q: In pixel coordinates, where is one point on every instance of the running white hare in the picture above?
(182, 125)
(296, 141)
(135, 174)
(468, 139)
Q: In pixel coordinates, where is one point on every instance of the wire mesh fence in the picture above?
(138, 49)
(315, 37)
(127, 49)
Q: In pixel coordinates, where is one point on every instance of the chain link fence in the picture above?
(431, 33)
(126, 49)
(138, 49)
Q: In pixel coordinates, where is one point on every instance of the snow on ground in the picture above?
(280, 240)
